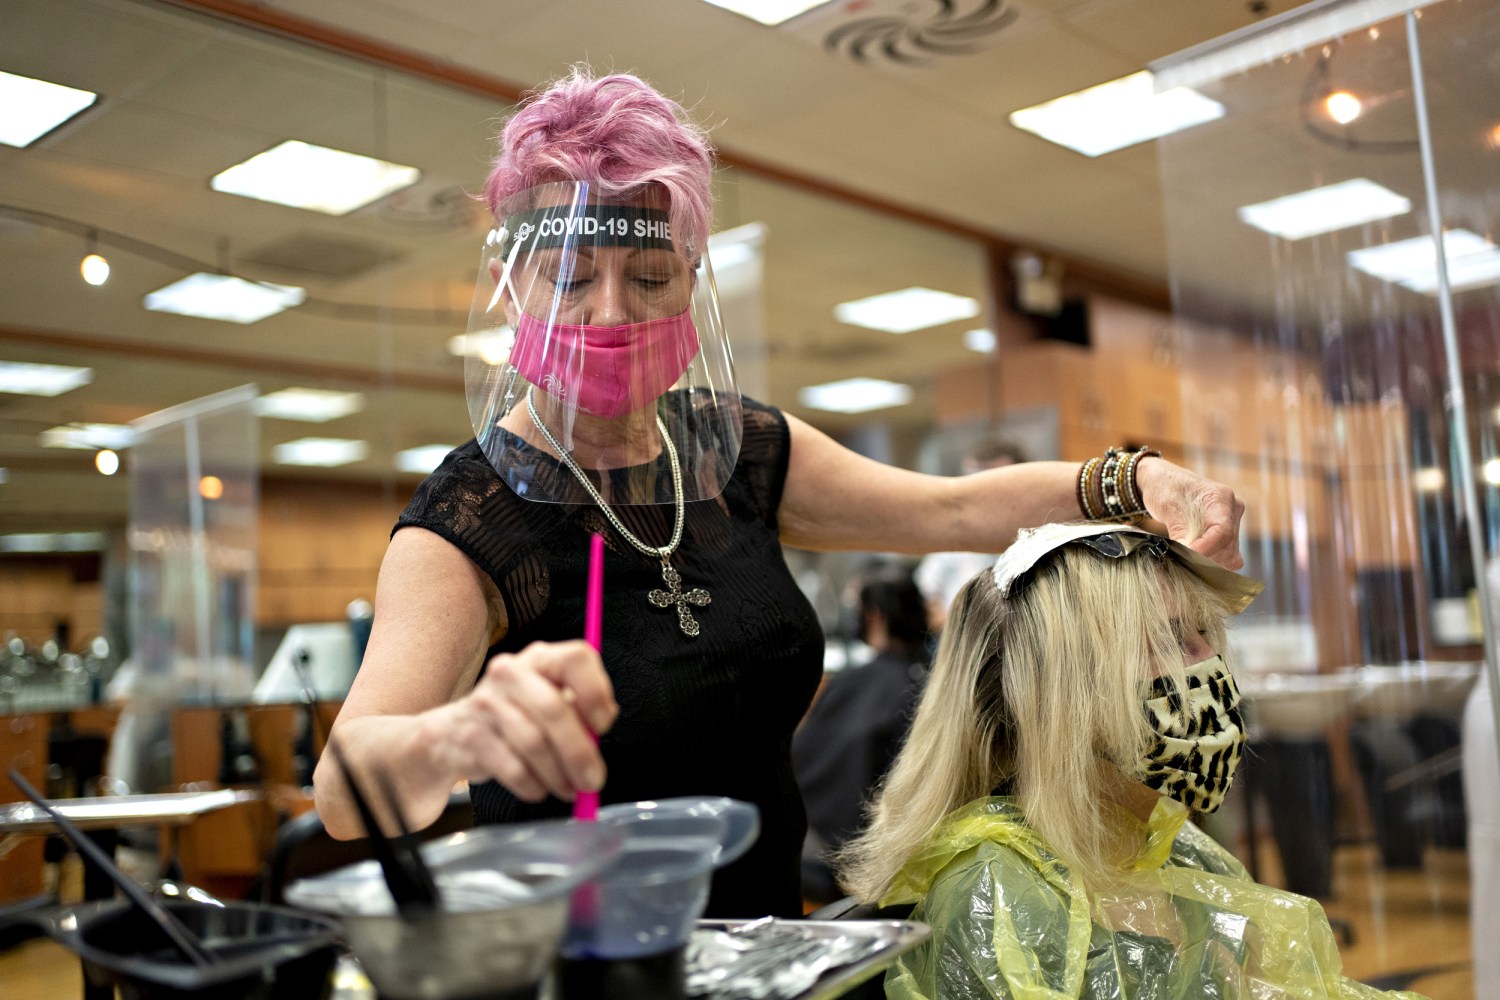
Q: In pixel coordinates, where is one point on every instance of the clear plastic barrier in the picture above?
(194, 492)
(1336, 278)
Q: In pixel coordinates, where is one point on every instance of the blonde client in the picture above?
(1037, 815)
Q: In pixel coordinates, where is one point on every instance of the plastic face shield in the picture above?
(600, 327)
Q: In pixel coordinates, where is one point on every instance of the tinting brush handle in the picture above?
(179, 935)
(408, 889)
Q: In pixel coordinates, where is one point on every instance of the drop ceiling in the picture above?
(873, 165)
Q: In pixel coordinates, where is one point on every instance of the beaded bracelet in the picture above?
(1107, 490)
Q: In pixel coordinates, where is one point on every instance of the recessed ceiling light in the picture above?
(855, 395)
(906, 310)
(769, 11)
(980, 341)
(26, 379)
(1116, 114)
(1324, 209)
(220, 296)
(1473, 262)
(326, 180)
(30, 108)
(314, 406)
(88, 436)
(491, 346)
(326, 452)
(422, 460)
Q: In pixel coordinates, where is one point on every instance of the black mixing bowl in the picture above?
(263, 952)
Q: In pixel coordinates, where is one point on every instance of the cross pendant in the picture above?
(674, 594)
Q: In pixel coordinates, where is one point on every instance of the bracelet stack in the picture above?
(1107, 489)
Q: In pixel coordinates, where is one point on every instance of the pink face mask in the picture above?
(607, 371)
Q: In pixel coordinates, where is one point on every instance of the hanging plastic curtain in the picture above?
(1336, 283)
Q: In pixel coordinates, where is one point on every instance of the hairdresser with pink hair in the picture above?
(615, 411)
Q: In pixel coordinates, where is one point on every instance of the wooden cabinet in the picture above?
(23, 746)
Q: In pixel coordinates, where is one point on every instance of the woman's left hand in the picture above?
(1200, 513)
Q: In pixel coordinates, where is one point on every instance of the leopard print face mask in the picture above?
(1199, 736)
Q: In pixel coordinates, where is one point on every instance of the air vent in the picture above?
(326, 257)
(917, 34)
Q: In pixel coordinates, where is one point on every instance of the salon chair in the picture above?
(303, 847)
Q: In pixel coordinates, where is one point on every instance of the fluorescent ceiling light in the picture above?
(1116, 114)
(1473, 262)
(26, 379)
(326, 180)
(325, 452)
(219, 296)
(422, 460)
(491, 346)
(1324, 209)
(88, 436)
(980, 341)
(769, 11)
(66, 541)
(906, 310)
(29, 108)
(855, 395)
(315, 406)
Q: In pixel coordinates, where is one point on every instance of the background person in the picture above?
(1077, 709)
(616, 414)
(855, 726)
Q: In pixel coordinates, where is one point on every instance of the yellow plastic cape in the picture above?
(1008, 920)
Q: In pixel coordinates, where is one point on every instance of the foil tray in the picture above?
(871, 945)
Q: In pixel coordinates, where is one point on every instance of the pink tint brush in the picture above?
(586, 804)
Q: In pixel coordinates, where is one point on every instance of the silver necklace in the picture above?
(674, 595)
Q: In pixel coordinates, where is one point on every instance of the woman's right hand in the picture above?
(531, 722)
(522, 718)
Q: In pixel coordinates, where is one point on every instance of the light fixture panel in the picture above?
(224, 297)
(316, 178)
(89, 437)
(1325, 209)
(1117, 114)
(24, 378)
(906, 310)
(1473, 262)
(322, 452)
(30, 108)
(768, 12)
(315, 406)
(422, 460)
(855, 395)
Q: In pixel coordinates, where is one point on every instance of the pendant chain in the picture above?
(660, 552)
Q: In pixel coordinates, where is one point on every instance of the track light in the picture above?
(93, 267)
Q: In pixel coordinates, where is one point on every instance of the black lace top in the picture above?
(711, 715)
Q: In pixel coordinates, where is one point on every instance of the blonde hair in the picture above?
(1039, 696)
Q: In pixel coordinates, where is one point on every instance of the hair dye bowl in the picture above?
(504, 906)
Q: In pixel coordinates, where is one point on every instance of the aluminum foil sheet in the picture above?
(772, 959)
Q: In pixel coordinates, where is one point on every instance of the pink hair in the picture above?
(616, 132)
